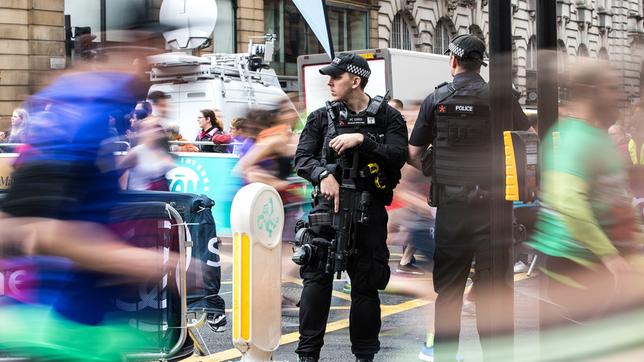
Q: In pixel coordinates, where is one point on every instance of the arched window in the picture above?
(401, 34)
(531, 56)
(582, 51)
(441, 37)
(603, 54)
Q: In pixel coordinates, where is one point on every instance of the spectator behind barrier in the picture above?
(212, 130)
(19, 122)
(173, 135)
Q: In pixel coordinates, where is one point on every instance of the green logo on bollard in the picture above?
(267, 220)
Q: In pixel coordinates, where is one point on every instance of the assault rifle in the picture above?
(353, 210)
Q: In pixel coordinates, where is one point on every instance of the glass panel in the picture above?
(224, 34)
(400, 33)
(85, 13)
(122, 14)
(272, 18)
(441, 38)
(336, 23)
(395, 32)
(294, 33)
(406, 32)
(357, 29)
(531, 56)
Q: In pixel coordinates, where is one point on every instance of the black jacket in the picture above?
(391, 154)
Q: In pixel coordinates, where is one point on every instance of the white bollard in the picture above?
(257, 219)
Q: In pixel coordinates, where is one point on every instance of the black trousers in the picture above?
(368, 270)
(462, 235)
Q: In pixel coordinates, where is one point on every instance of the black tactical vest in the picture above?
(372, 124)
(462, 144)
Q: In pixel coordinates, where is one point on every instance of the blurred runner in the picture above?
(149, 161)
(54, 219)
(587, 224)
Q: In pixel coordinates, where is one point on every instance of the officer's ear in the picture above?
(453, 62)
(355, 81)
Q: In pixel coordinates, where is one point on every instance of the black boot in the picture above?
(364, 359)
(307, 359)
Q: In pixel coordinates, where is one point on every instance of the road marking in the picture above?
(386, 310)
(334, 293)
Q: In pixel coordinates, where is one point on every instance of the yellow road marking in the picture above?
(386, 310)
(334, 293)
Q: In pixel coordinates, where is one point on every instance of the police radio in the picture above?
(521, 171)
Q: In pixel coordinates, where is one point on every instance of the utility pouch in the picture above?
(427, 161)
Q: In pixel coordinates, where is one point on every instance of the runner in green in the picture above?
(587, 223)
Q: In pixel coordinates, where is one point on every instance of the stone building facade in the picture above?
(608, 29)
(31, 44)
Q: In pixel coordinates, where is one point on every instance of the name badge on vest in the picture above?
(354, 121)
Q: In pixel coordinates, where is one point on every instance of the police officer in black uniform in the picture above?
(376, 132)
(455, 121)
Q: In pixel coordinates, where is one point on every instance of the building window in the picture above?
(102, 15)
(582, 51)
(531, 55)
(441, 37)
(603, 54)
(224, 34)
(348, 31)
(400, 33)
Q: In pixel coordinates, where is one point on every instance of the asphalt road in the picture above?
(404, 322)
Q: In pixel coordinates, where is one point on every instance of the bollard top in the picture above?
(258, 211)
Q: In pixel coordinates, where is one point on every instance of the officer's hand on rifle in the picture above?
(330, 190)
(346, 141)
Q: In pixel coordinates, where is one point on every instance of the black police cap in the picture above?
(347, 62)
(467, 46)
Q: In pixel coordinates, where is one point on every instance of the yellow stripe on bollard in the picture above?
(245, 285)
(241, 287)
(236, 274)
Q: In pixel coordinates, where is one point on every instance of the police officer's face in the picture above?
(342, 85)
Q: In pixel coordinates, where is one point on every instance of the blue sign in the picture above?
(210, 175)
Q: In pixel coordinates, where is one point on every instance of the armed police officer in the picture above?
(455, 121)
(352, 151)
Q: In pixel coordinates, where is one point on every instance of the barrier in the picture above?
(157, 309)
(160, 307)
(257, 218)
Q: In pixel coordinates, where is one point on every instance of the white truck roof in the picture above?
(408, 75)
(217, 81)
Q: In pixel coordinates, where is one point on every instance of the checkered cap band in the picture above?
(360, 72)
(456, 50)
